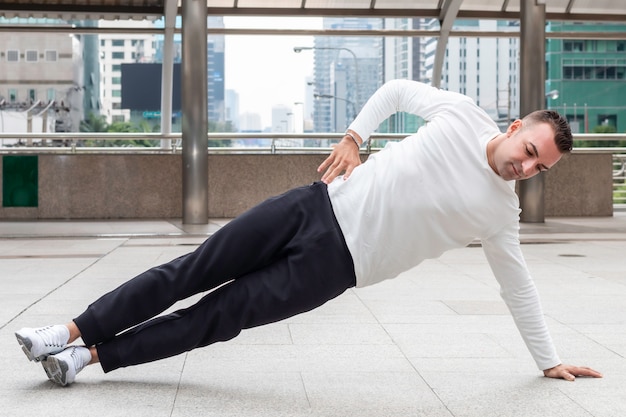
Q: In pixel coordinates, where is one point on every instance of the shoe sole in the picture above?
(56, 370)
(27, 345)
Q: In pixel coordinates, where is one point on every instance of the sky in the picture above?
(263, 69)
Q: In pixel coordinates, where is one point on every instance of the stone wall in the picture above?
(118, 186)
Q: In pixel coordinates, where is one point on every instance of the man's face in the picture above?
(526, 152)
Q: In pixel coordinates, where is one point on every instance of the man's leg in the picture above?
(250, 242)
(292, 285)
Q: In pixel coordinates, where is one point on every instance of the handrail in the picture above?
(73, 145)
(248, 135)
(273, 146)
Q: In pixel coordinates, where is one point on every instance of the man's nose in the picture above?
(528, 167)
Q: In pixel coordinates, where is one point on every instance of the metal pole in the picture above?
(356, 78)
(167, 77)
(299, 49)
(195, 115)
(532, 96)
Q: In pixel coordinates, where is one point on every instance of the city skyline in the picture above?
(264, 70)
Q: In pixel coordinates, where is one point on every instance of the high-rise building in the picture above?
(116, 49)
(43, 77)
(586, 79)
(404, 56)
(216, 80)
(403, 59)
(231, 109)
(483, 68)
(348, 69)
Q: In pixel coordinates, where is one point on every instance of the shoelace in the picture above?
(50, 338)
(78, 361)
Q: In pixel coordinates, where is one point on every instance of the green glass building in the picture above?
(589, 76)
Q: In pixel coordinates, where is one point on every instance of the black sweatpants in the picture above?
(281, 258)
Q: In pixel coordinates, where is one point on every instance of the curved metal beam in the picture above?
(448, 14)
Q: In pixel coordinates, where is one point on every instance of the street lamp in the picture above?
(329, 96)
(298, 49)
(553, 95)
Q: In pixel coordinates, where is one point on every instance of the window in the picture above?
(51, 94)
(600, 73)
(12, 95)
(573, 46)
(32, 95)
(117, 42)
(116, 80)
(117, 118)
(591, 46)
(117, 55)
(13, 55)
(51, 56)
(116, 93)
(610, 73)
(116, 67)
(31, 55)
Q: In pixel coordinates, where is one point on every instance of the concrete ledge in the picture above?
(581, 184)
(137, 186)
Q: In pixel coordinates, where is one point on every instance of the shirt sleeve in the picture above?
(403, 96)
(518, 290)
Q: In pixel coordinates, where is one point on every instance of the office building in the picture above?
(44, 79)
(483, 68)
(589, 78)
(347, 70)
(116, 49)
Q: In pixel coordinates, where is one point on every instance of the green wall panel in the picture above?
(20, 181)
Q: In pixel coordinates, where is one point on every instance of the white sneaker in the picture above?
(37, 344)
(63, 367)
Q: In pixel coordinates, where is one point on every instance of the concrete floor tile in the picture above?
(347, 308)
(372, 394)
(473, 307)
(502, 394)
(224, 393)
(436, 341)
(406, 309)
(438, 345)
(293, 358)
(339, 334)
(271, 334)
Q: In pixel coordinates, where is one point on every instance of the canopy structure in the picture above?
(600, 10)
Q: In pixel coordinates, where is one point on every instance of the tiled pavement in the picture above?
(436, 341)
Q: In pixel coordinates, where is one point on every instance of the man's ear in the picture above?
(513, 127)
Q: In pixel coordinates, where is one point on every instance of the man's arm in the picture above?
(394, 96)
(520, 294)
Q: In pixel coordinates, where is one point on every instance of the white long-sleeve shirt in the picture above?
(432, 192)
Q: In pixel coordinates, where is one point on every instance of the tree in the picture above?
(222, 127)
(94, 123)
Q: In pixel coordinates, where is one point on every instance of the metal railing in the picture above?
(272, 143)
(619, 179)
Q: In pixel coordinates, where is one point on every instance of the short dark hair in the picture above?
(562, 132)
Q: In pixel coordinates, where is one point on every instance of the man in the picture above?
(438, 189)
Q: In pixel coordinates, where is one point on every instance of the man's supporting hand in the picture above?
(570, 372)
